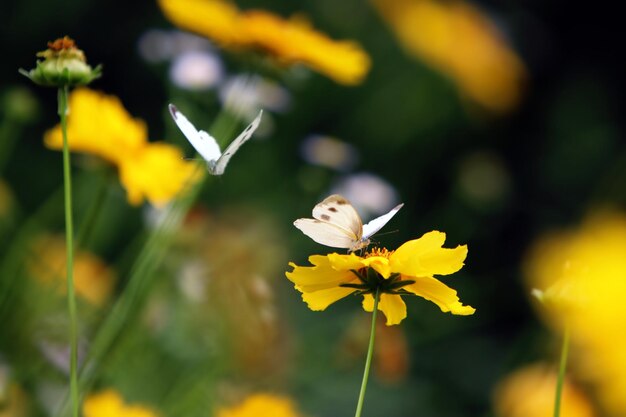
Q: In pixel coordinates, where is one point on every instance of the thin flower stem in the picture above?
(562, 368)
(69, 232)
(368, 361)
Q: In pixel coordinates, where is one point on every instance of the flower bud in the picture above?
(63, 64)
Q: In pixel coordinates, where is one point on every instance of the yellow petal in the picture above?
(368, 303)
(320, 276)
(392, 305)
(345, 262)
(99, 124)
(425, 256)
(157, 173)
(319, 300)
(379, 264)
(440, 294)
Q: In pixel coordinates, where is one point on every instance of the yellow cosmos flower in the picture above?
(457, 39)
(260, 405)
(99, 124)
(110, 404)
(583, 271)
(290, 41)
(409, 270)
(530, 392)
(93, 279)
(157, 173)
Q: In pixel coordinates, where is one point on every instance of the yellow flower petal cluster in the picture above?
(93, 279)
(408, 270)
(583, 271)
(457, 39)
(260, 405)
(109, 403)
(290, 41)
(99, 124)
(529, 391)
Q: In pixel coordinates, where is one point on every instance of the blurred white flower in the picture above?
(247, 94)
(368, 193)
(329, 152)
(157, 45)
(196, 70)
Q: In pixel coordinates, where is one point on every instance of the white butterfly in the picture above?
(207, 146)
(336, 223)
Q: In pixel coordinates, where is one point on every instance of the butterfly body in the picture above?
(337, 224)
(207, 146)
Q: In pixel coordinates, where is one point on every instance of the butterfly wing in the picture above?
(204, 143)
(220, 164)
(326, 233)
(337, 210)
(376, 224)
(335, 223)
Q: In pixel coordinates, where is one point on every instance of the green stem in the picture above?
(368, 361)
(561, 377)
(69, 232)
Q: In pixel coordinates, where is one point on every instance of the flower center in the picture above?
(381, 252)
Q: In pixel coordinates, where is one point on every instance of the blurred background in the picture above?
(494, 122)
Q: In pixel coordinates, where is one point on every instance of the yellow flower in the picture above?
(100, 125)
(290, 41)
(405, 271)
(261, 405)
(93, 279)
(157, 173)
(110, 404)
(294, 41)
(583, 271)
(529, 392)
(457, 39)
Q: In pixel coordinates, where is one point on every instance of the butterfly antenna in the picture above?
(388, 233)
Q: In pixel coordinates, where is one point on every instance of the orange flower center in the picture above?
(382, 252)
(62, 43)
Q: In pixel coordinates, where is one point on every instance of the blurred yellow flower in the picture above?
(583, 271)
(13, 400)
(93, 279)
(100, 125)
(110, 404)
(455, 38)
(261, 405)
(408, 270)
(530, 391)
(157, 173)
(290, 41)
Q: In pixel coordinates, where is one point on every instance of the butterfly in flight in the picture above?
(336, 223)
(207, 146)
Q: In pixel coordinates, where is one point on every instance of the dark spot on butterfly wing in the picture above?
(341, 201)
(325, 217)
(334, 210)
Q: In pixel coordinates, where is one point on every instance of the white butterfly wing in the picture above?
(220, 164)
(326, 233)
(376, 224)
(204, 143)
(337, 210)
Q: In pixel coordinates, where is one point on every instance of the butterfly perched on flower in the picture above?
(207, 146)
(337, 224)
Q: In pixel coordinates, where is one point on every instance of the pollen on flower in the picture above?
(382, 252)
(62, 43)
